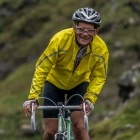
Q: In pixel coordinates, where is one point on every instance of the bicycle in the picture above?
(64, 131)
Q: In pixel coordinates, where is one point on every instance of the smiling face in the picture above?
(84, 33)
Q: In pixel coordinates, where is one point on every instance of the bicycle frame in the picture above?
(64, 123)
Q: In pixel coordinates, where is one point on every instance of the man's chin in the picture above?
(83, 44)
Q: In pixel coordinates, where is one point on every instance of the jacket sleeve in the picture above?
(43, 67)
(97, 78)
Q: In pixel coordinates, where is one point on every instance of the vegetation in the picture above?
(25, 29)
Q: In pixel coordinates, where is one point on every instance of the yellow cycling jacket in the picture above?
(56, 65)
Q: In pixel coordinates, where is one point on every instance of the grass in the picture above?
(14, 91)
(124, 125)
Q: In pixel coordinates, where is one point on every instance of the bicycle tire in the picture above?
(60, 136)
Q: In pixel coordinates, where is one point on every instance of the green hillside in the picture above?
(26, 27)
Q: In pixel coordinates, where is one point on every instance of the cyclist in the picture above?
(74, 62)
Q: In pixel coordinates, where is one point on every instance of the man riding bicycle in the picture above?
(74, 62)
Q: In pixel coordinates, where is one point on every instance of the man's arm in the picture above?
(98, 78)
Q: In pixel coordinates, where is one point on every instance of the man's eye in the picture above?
(90, 31)
(81, 29)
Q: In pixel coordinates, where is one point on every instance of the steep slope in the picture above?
(25, 29)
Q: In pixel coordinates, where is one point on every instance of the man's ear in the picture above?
(74, 28)
(97, 30)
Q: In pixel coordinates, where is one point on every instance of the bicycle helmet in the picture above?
(88, 15)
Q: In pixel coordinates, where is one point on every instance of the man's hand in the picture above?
(87, 106)
(27, 106)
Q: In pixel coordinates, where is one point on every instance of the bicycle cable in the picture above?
(73, 96)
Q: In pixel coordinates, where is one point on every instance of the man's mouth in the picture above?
(84, 38)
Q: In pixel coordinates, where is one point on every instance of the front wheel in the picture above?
(60, 136)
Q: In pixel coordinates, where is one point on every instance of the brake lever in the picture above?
(85, 117)
(33, 124)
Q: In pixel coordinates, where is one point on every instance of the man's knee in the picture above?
(78, 122)
(79, 128)
(48, 135)
(50, 128)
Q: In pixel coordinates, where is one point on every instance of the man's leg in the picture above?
(79, 126)
(50, 116)
(77, 116)
(50, 128)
